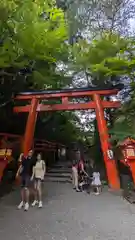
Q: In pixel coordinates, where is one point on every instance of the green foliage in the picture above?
(30, 30)
(32, 42)
(33, 35)
(105, 59)
(110, 55)
(60, 127)
(124, 125)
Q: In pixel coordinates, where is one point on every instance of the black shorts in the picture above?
(25, 181)
(38, 180)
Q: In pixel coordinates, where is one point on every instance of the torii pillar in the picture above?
(110, 164)
(30, 126)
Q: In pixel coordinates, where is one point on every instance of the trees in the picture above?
(32, 47)
(108, 60)
(92, 17)
(34, 38)
(28, 30)
(61, 127)
(105, 57)
(124, 125)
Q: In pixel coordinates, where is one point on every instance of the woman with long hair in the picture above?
(39, 171)
(75, 175)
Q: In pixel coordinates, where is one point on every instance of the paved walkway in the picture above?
(68, 215)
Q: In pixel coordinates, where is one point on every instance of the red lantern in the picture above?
(128, 149)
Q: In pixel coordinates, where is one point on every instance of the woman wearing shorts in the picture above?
(39, 171)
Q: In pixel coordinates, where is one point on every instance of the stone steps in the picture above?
(61, 167)
(57, 179)
(60, 172)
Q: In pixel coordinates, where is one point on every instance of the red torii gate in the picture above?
(34, 106)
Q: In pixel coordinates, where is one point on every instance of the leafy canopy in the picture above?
(110, 55)
(124, 125)
(33, 41)
(30, 30)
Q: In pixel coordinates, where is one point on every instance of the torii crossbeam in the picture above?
(93, 95)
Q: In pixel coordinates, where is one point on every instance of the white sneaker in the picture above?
(35, 202)
(26, 207)
(40, 204)
(21, 205)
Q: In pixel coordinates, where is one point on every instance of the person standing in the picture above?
(25, 171)
(81, 171)
(75, 175)
(123, 170)
(39, 171)
(81, 166)
(125, 177)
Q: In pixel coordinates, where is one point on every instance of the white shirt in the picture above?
(96, 179)
(39, 169)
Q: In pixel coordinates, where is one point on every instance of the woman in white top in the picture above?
(96, 182)
(39, 171)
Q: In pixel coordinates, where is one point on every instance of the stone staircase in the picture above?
(61, 172)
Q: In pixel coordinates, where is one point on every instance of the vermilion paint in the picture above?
(65, 104)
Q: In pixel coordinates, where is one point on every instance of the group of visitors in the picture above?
(85, 177)
(31, 171)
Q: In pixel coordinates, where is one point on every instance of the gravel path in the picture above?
(68, 215)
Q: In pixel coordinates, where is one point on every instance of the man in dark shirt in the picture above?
(25, 171)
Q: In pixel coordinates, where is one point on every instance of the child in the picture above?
(96, 182)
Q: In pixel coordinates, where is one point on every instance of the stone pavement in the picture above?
(68, 215)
